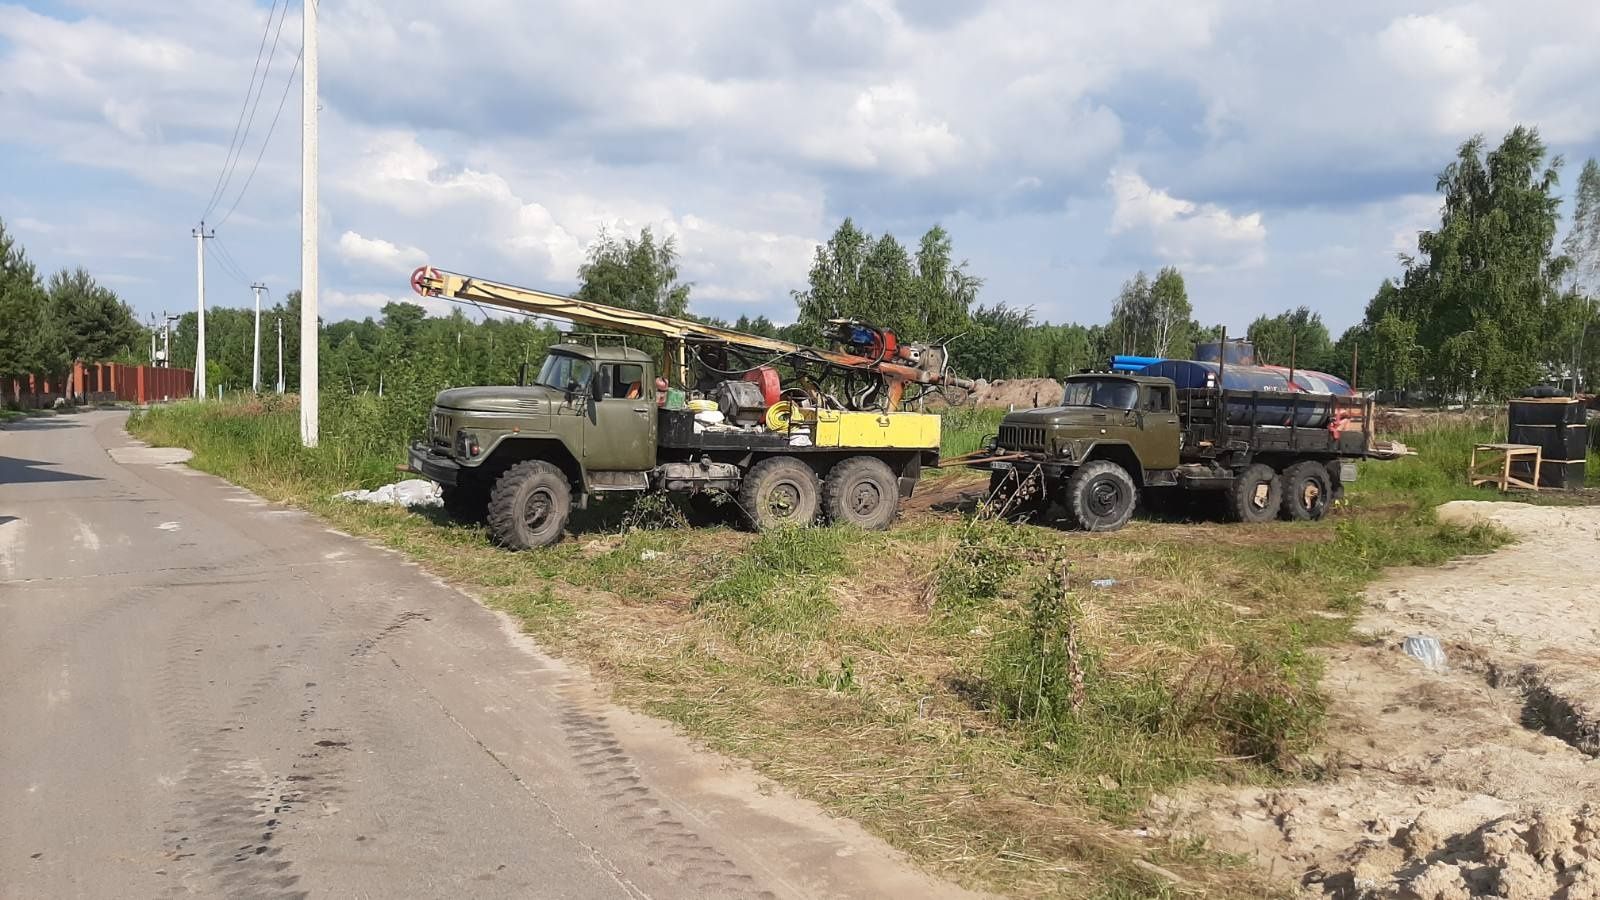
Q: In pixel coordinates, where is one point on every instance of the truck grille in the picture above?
(1021, 437)
(443, 430)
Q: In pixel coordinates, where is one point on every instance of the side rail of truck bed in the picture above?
(1218, 421)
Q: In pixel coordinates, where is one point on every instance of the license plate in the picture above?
(1001, 466)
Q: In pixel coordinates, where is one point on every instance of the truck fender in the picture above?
(1119, 452)
(510, 449)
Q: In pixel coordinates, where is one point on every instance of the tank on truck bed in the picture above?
(1260, 454)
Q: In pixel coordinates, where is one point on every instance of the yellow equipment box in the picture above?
(896, 430)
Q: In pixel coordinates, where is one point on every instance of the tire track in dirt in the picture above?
(235, 801)
(614, 779)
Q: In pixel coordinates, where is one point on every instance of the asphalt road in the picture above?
(203, 694)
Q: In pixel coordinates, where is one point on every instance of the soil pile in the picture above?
(1457, 783)
(1445, 856)
(1012, 393)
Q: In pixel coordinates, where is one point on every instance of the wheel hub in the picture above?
(537, 511)
(1260, 495)
(1310, 495)
(783, 499)
(865, 499)
(1105, 497)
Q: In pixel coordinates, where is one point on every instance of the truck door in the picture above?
(1159, 422)
(620, 428)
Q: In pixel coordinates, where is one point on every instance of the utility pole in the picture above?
(308, 226)
(255, 365)
(280, 355)
(152, 339)
(166, 338)
(200, 237)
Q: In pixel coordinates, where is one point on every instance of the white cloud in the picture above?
(360, 304)
(1198, 236)
(1447, 63)
(748, 130)
(378, 254)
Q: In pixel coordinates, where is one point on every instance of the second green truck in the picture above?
(1115, 439)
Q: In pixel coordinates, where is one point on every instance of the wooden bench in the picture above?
(1496, 468)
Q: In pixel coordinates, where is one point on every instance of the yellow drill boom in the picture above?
(430, 282)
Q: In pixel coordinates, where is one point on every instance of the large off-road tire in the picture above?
(1101, 496)
(1308, 491)
(529, 505)
(1255, 496)
(466, 502)
(779, 491)
(862, 491)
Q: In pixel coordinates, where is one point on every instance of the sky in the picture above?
(1279, 153)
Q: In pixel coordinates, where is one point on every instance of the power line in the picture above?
(228, 268)
(250, 122)
(270, 129)
(226, 260)
(233, 261)
(216, 190)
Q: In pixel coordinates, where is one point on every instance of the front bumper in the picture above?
(438, 468)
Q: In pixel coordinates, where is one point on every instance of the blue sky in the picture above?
(1279, 153)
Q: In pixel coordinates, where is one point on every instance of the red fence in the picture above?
(91, 382)
(134, 384)
(32, 392)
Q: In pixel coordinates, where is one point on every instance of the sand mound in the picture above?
(1441, 855)
(1454, 783)
(1012, 393)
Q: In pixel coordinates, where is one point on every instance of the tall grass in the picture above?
(258, 438)
(964, 429)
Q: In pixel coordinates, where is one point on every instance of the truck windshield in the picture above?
(1109, 393)
(561, 371)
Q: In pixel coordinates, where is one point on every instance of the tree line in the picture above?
(1487, 305)
(47, 324)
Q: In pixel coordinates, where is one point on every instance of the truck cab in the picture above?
(1128, 418)
(589, 414)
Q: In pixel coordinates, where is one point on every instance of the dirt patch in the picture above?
(1460, 783)
(1400, 420)
(1011, 393)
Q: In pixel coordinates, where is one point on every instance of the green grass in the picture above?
(918, 679)
(965, 429)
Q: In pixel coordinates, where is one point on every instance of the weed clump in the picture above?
(988, 555)
(1037, 675)
(1084, 701)
(781, 584)
(653, 512)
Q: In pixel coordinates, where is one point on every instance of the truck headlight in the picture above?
(467, 444)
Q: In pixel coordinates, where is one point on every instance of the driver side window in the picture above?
(1160, 400)
(623, 381)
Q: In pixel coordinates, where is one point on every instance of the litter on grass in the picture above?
(413, 493)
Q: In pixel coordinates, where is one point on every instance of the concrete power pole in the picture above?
(280, 355)
(308, 227)
(200, 237)
(255, 365)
